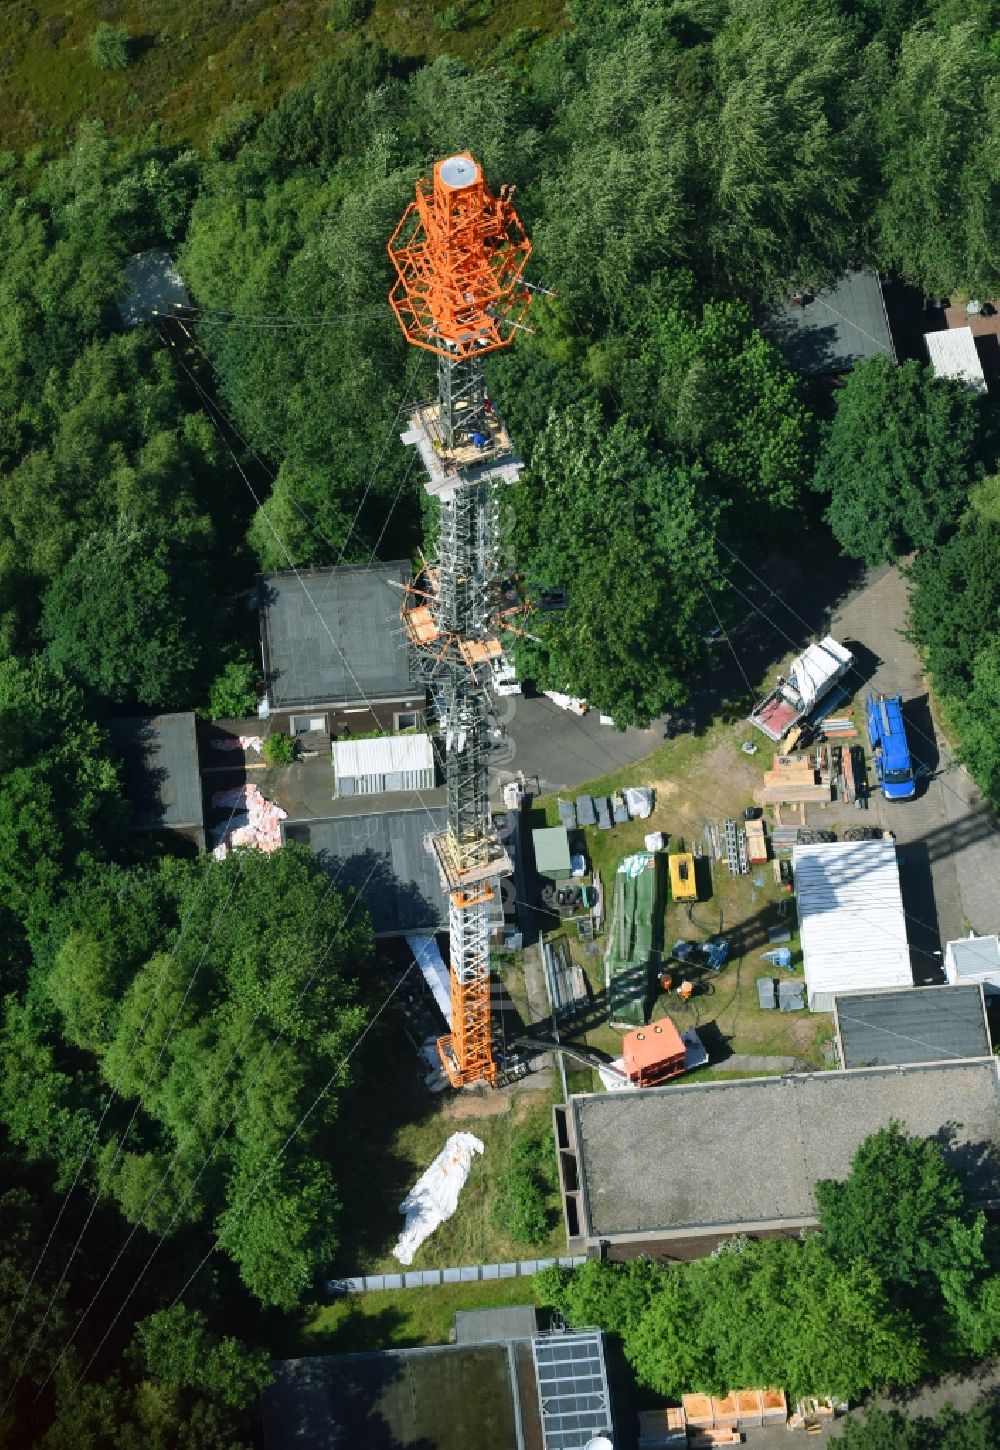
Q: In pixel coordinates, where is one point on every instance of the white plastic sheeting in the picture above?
(639, 800)
(241, 742)
(428, 959)
(434, 1196)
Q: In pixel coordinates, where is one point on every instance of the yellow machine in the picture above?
(683, 882)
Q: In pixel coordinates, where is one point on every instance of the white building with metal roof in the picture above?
(974, 959)
(851, 920)
(389, 762)
(953, 354)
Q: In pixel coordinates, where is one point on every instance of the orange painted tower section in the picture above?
(460, 254)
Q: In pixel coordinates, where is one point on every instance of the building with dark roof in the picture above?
(829, 332)
(449, 1397)
(743, 1157)
(160, 774)
(521, 1391)
(336, 660)
(921, 1024)
(383, 854)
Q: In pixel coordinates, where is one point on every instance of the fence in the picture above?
(470, 1274)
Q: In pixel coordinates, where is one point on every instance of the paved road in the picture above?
(558, 750)
(959, 1391)
(948, 844)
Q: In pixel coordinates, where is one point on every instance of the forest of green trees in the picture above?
(678, 165)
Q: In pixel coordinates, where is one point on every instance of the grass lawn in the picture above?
(397, 1131)
(191, 61)
(394, 1318)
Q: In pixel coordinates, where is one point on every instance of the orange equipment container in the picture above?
(653, 1054)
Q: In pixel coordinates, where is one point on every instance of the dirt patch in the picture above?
(474, 1103)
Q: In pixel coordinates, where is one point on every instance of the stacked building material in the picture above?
(792, 778)
(662, 1429)
(841, 727)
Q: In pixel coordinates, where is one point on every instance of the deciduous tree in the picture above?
(898, 459)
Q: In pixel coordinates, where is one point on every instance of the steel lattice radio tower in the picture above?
(460, 253)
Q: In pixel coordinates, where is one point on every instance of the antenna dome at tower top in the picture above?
(458, 172)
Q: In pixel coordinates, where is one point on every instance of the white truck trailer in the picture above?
(810, 676)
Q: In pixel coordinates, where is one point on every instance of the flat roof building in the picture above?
(382, 853)
(516, 1390)
(160, 772)
(953, 354)
(974, 959)
(831, 331)
(450, 1397)
(743, 1157)
(851, 920)
(335, 656)
(921, 1024)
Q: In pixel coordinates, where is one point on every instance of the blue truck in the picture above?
(887, 735)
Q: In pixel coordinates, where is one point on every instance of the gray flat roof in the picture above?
(159, 756)
(747, 1153)
(382, 854)
(451, 1397)
(922, 1024)
(333, 635)
(491, 1326)
(835, 329)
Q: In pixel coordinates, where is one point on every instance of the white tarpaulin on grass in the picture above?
(434, 1196)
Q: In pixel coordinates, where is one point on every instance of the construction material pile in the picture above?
(793, 778)
(255, 821)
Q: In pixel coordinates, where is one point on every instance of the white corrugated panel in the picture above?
(428, 959)
(953, 354)
(384, 755)
(851, 919)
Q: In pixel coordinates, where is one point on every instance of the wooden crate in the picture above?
(775, 1407)
(750, 1408)
(698, 1410)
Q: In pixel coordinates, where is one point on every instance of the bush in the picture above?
(232, 694)
(520, 1209)
(279, 749)
(110, 47)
